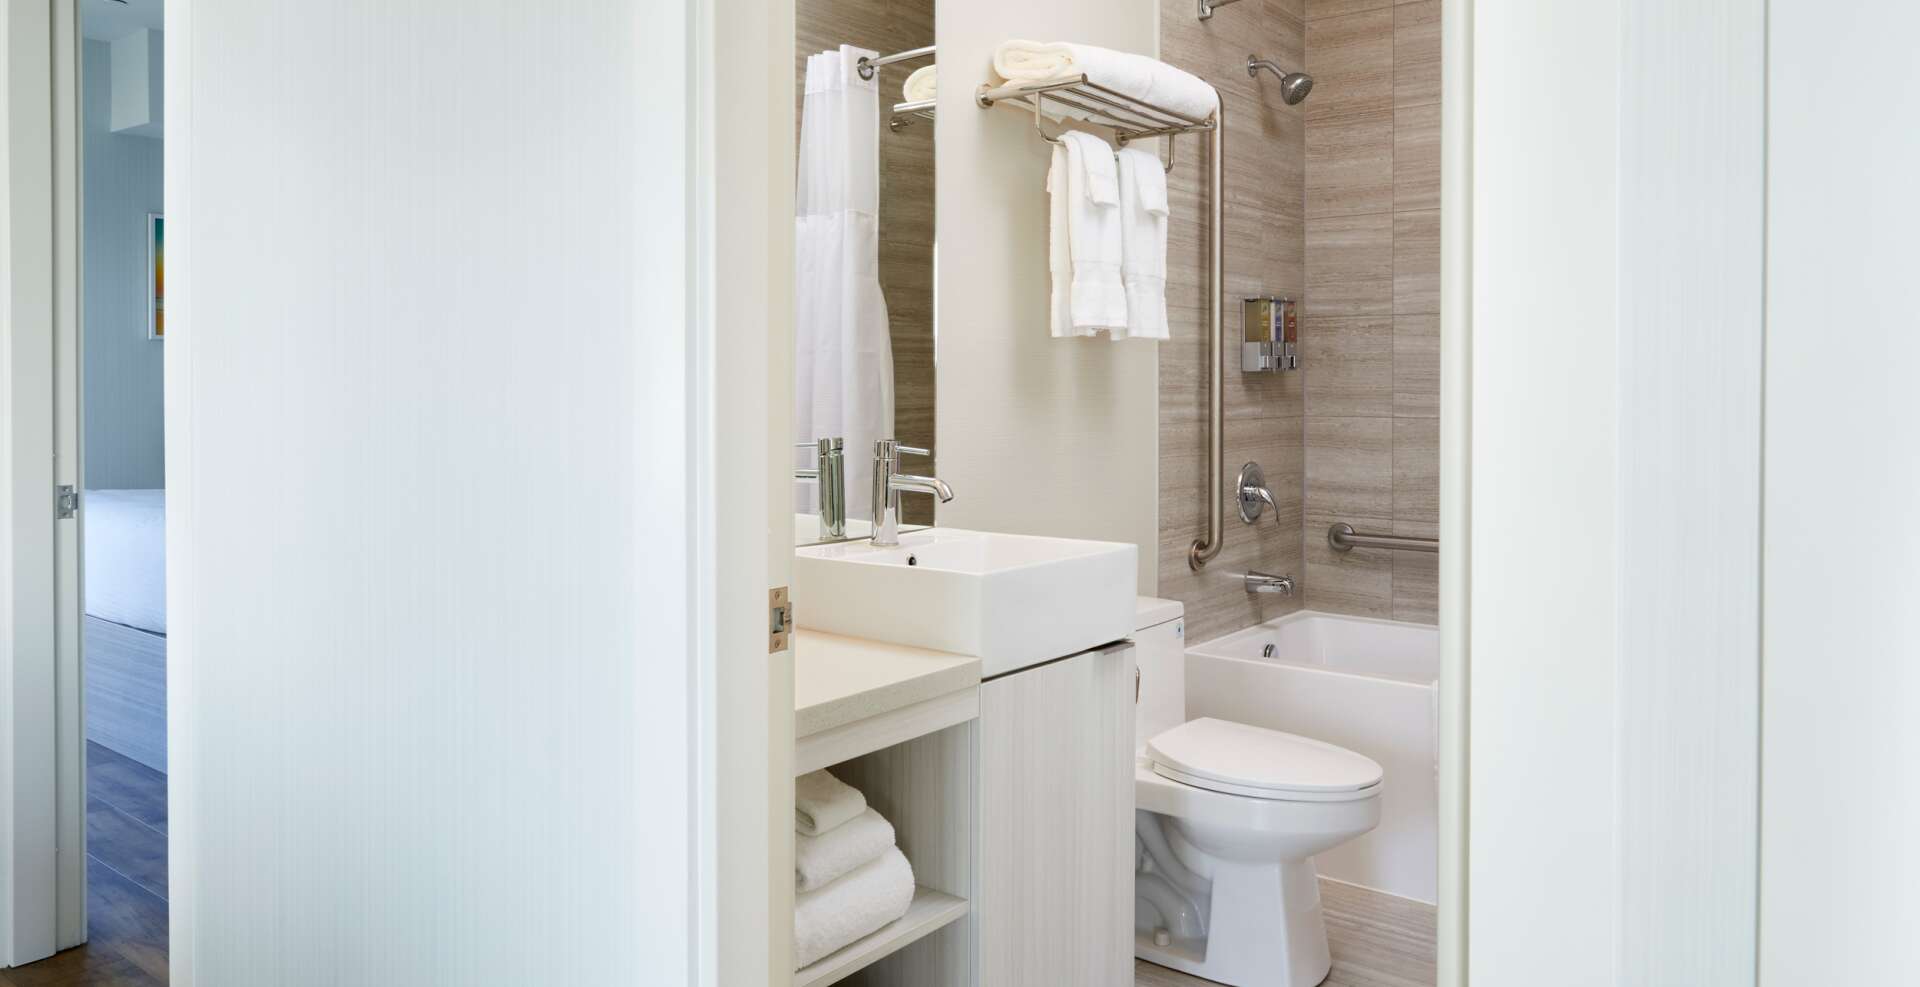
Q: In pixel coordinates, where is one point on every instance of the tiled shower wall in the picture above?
(1370, 331)
(1266, 255)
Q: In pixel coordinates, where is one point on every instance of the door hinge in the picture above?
(779, 620)
(66, 501)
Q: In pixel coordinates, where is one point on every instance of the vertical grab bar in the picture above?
(1208, 545)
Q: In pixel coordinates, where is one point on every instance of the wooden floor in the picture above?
(126, 883)
(1377, 941)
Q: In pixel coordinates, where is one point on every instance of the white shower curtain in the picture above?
(843, 360)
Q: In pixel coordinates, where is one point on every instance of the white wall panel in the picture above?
(427, 436)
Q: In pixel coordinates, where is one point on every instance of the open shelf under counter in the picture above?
(853, 696)
(930, 912)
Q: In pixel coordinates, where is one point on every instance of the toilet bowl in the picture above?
(1228, 818)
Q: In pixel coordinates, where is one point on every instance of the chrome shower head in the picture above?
(1294, 86)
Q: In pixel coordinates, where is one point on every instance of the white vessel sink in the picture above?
(1010, 600)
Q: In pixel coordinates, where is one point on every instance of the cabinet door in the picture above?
(1055, 869)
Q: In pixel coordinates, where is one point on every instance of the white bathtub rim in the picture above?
(1201, 650)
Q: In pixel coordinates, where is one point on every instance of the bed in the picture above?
(125, 632)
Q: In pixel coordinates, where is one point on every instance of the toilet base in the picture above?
(1267, 929)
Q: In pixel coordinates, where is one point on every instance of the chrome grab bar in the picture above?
(1342, 538)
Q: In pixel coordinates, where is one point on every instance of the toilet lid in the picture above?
(1248, 760)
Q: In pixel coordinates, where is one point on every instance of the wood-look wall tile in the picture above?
(1416, 470)
(1350, 266)
(1416, 366)
(1350, 166)
(1318, 9)
(1351, 60)
(1416, 577)
(1350, 466)
(1355, 582)
(1416, 262)
(1416, 157)
(1416, 53)
(1349, 366)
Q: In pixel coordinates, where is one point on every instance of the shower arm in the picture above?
(1207, 7)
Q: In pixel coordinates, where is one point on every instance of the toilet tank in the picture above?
(1160, 649)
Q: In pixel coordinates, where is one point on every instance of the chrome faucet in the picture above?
(888, 482)
(1262, 582)
(830, 471)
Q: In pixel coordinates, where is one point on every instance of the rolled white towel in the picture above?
(919, 86)
(821, 802)
(875, 893)
(1143, 78)
(819, 860)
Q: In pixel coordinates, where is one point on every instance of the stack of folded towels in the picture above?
(1107, 249)
(849, 878)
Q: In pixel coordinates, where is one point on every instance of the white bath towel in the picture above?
(1085, 187)
(1138, 76)
(1143, 241)
(873, 895)
(821, 802)
(819, 860)
(920, 85)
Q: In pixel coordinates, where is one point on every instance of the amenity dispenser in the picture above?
(1272, 333)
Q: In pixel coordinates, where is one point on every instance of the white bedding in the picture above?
(126, 564)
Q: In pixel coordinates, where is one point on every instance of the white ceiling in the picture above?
(109, 20)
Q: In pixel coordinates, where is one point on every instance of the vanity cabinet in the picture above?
(1053, 897)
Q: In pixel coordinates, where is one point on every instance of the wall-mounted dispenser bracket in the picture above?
(1270, 335)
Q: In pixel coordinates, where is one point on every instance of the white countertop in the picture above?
(839, 680)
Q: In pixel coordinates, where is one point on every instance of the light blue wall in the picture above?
(121, 365)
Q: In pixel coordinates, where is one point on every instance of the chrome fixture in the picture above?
(1207, 7)
(1263, 582)
(1342, 538)
(1255, 498)
(1270, 331)
(1294, 86)
(888, 482)
(867, 66)
(1133, 119)
(830, 470)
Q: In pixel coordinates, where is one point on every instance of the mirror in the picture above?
(864, 249)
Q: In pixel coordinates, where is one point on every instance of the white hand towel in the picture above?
(1138, 76)
(819, 860)
(821, 802)
(920, 85)
(1097, 297)
(1143, 241)
(861, 902)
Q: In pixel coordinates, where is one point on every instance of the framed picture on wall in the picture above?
(156, 276)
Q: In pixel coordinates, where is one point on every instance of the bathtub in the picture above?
(1367, 685)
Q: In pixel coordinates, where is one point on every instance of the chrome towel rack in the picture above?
(1342, 538)
(1132, 119)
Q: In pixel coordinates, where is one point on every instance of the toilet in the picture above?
(1227, 820)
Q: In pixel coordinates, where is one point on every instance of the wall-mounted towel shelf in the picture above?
(904, 114)
(1132, 119)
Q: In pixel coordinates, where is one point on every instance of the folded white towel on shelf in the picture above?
(1085, 186)
(1143, 78)
(853, 906)
(819, 860)
(920, 85)
(821, 802)
(1143, 241)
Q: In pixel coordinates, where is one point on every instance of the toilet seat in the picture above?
(1254, 762)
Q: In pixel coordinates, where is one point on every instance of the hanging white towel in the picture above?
(1143, 241)
(818, 860)
(843, 353)
(1085, 188)
(1138, 76)
(873, 895)
(821, 802)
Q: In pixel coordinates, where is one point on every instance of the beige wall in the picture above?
(1266, 249)
(1370, 331)
(1055, 437)
(906, 202)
